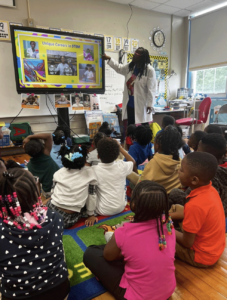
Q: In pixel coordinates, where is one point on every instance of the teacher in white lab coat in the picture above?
(140, 86)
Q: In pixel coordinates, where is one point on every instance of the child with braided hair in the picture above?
(75, 186)
(140, 255)
(31, 242)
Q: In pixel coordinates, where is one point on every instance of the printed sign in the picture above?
(109, 43)
(134, 45)
(117, 43)
(62, 100)
(4, 31)
(30, 101)
(126, 44)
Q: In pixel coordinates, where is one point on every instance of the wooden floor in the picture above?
(192, 283)
(18, 158)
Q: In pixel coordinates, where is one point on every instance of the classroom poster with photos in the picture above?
(30, 101)
(62, 100)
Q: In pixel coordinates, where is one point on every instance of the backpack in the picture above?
(19, 131)
(155, 129)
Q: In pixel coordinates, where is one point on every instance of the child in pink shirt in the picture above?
(131, 265)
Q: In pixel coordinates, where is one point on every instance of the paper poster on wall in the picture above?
(16, 24)
(87, 102)
(94, 119)
(77, 102)
(117, 43)
(42, 27)
(62, 101)
(30, 101)
(126, 44)
(95, 102)
(109, 46)
(4, 31)
(134, 45)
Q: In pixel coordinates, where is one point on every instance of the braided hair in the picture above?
(150, 202)
(170, 141)
(143, 63)
(18, 195)
(73, 157)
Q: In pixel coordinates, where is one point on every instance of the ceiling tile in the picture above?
(166, 9)
(121, 1)
(183, 3)
(182, 13)
(145, 4)
(159, 1)
(201, 6)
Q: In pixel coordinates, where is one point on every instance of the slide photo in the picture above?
(30, 101)
(62, 63)
(62, 100)
(34, 70)
(77, 102)
(31, 49)
(88, 51)
(87, 73)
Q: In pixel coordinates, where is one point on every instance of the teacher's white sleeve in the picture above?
(119, 68)
(151, 86)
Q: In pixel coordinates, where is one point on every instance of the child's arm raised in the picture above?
(111, 250)
(91, 204)
(185, 239)
(47, 137)
(128, 157)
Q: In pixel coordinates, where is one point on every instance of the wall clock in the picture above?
(157, 39)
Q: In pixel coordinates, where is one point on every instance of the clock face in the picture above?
(159, 38)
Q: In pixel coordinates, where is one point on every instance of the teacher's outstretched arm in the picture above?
(119, 68)
(151, 87)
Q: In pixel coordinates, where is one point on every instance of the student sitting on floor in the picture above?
(75, 186)
(166, 121)
(131, 266)
(105, 128)
(92, 157)
(195, 138)
(41, 164)
(111, 176)
(32, 263)
(141, 149)
(215, 144)
(59, 139)
(203, 239)
(212, 128)
(164, 166)
(130, 135)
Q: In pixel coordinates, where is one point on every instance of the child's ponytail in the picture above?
(73, 157)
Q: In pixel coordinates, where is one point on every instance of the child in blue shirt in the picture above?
(142, 146)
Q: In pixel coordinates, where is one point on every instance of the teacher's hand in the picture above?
(149, 110)
(105, 57)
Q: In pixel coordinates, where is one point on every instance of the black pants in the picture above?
(108, 272)
(60, 292)
(131, 115)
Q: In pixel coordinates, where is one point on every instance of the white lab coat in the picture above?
(144, 92)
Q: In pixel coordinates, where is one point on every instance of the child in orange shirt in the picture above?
(203, 239)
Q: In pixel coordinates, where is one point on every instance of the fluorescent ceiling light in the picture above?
(202, 12)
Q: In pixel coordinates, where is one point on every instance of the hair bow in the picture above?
(53, 134)
(67, 147)
(76, 155)
(63, 137)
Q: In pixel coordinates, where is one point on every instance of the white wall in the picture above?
(101, 16)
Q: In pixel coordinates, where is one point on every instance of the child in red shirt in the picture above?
(203, 239)
(130, 136)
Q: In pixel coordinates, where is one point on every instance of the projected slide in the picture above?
(58, 61)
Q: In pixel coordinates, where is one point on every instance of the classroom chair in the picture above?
(204, 109)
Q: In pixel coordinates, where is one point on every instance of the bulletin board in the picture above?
(160, 64)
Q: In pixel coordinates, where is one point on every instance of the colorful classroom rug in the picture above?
(84, 285)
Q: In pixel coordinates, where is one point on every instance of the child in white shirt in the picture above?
(75, 186)
(93, 159)
(111, 176)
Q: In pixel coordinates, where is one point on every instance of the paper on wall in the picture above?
(117, 43)
(109, 45)
(4, 31)
(30, 101)
(134, 45)
(126, 44)
(95, 102)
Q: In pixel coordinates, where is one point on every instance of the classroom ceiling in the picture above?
(182, 8)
